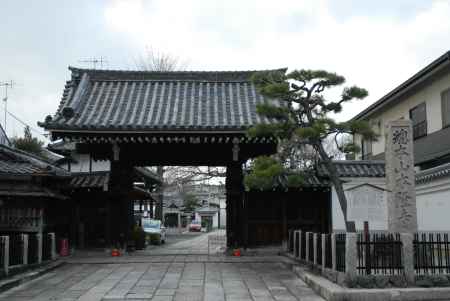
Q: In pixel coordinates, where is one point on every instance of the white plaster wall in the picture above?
(432, 200)
(215, 219)
(338, 217)
(433, 205)
(430, 94)
(82, 164)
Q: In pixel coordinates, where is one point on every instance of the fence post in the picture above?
(324, 237)
(25, 248)
(307, 246)
(53, 246)
(351, 255)
(315, 248)
(408, 256)
(5, 254)
(300, 233)
(333, 251)
(39, 247)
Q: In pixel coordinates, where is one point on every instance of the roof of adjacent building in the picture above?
(355, 169)
(4, 138)
(147, 101)
(368, 169)
(434, 173)
(415, 81)
(96, 179)
(14, 162)
(99, 180)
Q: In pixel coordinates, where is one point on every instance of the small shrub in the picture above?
(366, 281)
(382, 282)
(154, 239)
(138, 236)
(398, 281)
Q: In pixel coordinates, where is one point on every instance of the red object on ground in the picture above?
(64, 248)
(115, 253)
(237, 252)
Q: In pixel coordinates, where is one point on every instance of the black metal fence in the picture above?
(340, 252)
(15, 249)
(291, 240)
(379, 253)
(319, 249)
(2, 252)
(431, 253)
(296, 239)
(46, 246)
(310, 247)
(328, 252)
(33, 246)
(303, 246)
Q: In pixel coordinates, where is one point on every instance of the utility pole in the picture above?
(94, 61)
(6, 85)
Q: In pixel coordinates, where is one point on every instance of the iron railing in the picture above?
(340, 252)
(319, 249)
(431, 253)
(303, 246)
(46, 246)
(310, 247)
(15, 249)
(296, 240)
(328, 252)
(379, 253)
(32, 248)
(2, 251)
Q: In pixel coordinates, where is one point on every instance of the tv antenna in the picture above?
(6, 85)
(94, 61)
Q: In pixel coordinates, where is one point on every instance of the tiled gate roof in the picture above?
(104, 100)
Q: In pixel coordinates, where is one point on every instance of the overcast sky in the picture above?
(374, 44)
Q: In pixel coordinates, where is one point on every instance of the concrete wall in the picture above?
(431, 95)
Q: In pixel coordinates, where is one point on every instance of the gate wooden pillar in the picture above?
(121, 213)
(235, 205)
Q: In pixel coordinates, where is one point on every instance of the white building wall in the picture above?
(430, 94)
(433, 205)
(82, 164)
(432, 200)
(337, 215)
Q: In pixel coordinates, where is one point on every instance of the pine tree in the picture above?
(304, 119)
(28, 143)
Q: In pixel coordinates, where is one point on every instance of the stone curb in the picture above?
(21, 278)
(333, 292)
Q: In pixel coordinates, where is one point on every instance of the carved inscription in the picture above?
(400, 178)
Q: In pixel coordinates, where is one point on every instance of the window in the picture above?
(445, 100)
(418, 116)
(366, 147)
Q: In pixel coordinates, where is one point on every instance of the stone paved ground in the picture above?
(171, 277)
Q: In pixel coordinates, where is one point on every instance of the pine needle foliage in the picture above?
(304, 119)
(28, 143)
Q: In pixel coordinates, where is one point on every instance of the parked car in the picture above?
(155, 230)
(195, 226)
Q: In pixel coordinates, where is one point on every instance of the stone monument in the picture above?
(400, 177)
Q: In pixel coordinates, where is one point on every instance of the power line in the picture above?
(94, 61)
(25, 124)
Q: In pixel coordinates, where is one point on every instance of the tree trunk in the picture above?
(337, 183)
